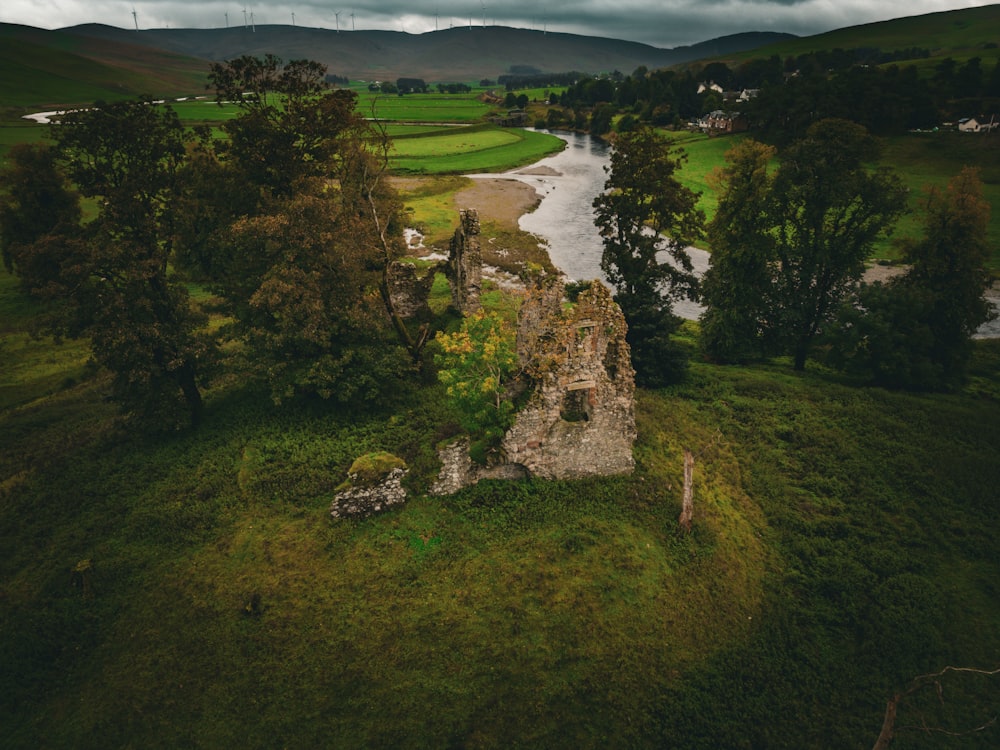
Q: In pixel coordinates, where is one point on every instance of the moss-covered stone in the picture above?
(372, 468)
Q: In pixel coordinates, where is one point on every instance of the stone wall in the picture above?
(409, 291)
(458, 469)
(363, 500)
(579, 419)
(465, 264)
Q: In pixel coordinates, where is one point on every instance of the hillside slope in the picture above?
(40, 68)
(448, 55)
(957, 33)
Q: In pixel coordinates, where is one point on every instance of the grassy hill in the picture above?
(959, 34)
(458, 54)
(42, 69)
(191, 589)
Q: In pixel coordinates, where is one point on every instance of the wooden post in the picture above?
(687, 504)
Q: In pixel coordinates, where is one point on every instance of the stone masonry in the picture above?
(465, 264)
(409, 291)
(579, 419)
(363, 500)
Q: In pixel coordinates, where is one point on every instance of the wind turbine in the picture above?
(353, 28)
(336, 15)
(293, 18)
(244, 18)
(253, 28)
(484, 12)
(135, 19)
(227, 19)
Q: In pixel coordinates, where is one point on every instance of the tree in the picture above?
(38, 202)
(735, 288)
(476, 365)
(289, 123)
(326, 169)
(826, 212)
(916, 331)
(647, 219)
(309, 320)
(109, 279)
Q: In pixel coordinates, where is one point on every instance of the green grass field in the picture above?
(488, 150)
(422, 107)
(191, 589)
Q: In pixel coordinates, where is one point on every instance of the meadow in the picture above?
(921, 160)
(191, 589)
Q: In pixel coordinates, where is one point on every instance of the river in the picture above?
(568, 182)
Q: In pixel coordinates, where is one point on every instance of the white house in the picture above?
(977, 125)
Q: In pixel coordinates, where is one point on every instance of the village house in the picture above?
(978, 124)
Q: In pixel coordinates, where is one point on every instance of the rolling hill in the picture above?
(41, 68)
(458, 54)
(959, 34)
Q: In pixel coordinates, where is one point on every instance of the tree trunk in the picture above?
(885, 737)
(189, 387)
(801, 354)
(687, 504)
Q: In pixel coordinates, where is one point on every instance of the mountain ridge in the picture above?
(455, 54)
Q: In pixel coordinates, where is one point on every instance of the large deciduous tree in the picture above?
(292, 221)
(916, 330)
(788, 247)
(736, 324)
(647, 219)
(109, 278)
(828, 209)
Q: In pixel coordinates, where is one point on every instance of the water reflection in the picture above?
(568, 182)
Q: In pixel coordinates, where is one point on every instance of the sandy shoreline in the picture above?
(500, 200)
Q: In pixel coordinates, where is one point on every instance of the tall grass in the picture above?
(191, 589)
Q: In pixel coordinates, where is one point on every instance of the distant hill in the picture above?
(959, 34)
(41, 68)
(457, 54)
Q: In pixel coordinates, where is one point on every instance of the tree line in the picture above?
(789, 245)
(288, 219)
(290, 222)
(789, 94)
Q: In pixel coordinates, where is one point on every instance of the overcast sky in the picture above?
(662, 23)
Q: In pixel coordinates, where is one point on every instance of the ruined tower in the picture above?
(465, 264)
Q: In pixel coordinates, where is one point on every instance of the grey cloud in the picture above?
(663, 23)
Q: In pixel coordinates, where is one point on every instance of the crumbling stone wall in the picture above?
(364, 499)
(408, 290)
(458, 470)
(579, 419)
(465, 264)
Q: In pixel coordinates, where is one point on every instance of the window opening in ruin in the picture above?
(575, 406)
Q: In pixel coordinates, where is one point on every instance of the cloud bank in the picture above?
(662, 23)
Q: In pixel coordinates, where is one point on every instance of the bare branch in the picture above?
(889, 729)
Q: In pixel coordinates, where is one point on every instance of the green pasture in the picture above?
(399, 131)
(191, 589)
(204, 111)
(422, 107)
(486, 150)
(453, 143)
(429, 203)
